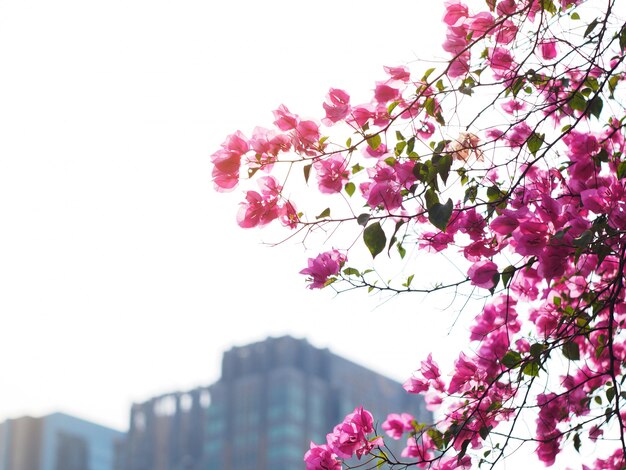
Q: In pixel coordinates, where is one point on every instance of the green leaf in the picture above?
(494, 193)
(613, 81)
(351, 272)
(440, 120)
(375, 239)
(512, 359)
(307, 172)
(577, 442)
(429, 106)
(395, 232)
(577, 101)
(439, 214)
(484, 432)
(409, 280)
(436, 436)
(401, 250)
(325, 213)
(400, 146)
(427, 74)
(584, 239)
(571, 351)
(410, 145)
(363, 219)
(356, 168)
(595, 105)
(549, 6)
(536, 349)
(610, 394)
(374, 141)
(443, 163)
(350, 188)
(431, 198)
(590, 28)
(470, 194)
(517, 85)
(507, 274)
(535, 142)
(531, 369)
(575, 16)
(621, 170)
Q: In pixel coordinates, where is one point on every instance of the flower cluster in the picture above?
(349, 438)
(529, 199)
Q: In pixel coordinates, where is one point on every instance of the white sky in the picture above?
(122, 273)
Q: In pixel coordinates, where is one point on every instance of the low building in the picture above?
(57, 442)
(167, 432)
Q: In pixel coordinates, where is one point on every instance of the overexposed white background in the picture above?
(122, 273)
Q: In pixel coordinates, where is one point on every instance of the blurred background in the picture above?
(123, 275)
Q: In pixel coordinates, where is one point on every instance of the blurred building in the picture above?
(56, 442)
(273, 398)
(167, 433)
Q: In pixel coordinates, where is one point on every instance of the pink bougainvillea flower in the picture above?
(260, 208)
(400, 73)
(337, 106)
(455, 44)
(385, 93)
(323, 267)
(332, 172)
(320, 457)
(480, 24)
(506, 7)
(285, 119)
(456, 12)
(349, 438)
(500, 60)
(519, 134)
(227, 161)
(482, 274)
(548, 49)
(289, 215)
(465, 372)
(506, 32)
(397, 424)
(459, 67)
(428, 376)
(512, 106)
(306, 136)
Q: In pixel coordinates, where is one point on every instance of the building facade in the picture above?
(272, 399)
(57, 442)
(276, 396)
(166, 433)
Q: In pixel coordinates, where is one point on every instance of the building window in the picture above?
(72, 453)
(286, 401)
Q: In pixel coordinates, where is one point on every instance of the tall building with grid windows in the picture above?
(277, 395)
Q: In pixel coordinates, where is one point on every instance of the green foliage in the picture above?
(375, 239)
